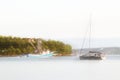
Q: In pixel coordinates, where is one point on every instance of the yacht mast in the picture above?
(90, 31)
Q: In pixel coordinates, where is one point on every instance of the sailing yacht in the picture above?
(91, 54)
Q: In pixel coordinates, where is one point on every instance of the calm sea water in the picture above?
(59, 68)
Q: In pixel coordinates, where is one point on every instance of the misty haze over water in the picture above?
(95, 43)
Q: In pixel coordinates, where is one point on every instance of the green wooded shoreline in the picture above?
(14, 46)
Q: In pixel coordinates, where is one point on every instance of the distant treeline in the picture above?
(12, 46)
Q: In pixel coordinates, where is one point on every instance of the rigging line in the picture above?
(84, 39)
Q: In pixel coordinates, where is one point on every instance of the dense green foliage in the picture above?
(58, 47)
(12, 46)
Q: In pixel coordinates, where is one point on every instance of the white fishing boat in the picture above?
(38, 52)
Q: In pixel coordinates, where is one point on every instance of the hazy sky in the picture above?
(59, 18)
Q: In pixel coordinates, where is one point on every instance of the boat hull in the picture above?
(90, 58)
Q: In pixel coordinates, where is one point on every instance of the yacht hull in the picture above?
(90, 58)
